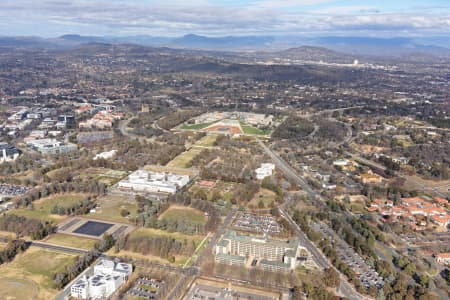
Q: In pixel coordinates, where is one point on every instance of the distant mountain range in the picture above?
(379, 47)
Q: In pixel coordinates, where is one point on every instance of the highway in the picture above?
(345, 288)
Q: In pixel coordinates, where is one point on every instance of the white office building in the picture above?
(153, 182)
(8, 152)
(51, 146)
(108, 277)
(265, 170)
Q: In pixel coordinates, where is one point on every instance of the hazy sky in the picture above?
(225, 17)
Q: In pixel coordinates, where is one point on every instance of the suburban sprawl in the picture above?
(129, 172)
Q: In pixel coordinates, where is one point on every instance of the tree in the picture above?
(261, 204)
(124, 212)
(381, 295)
(331, 277)
(424, 280)
(297, 293)
(410, 269)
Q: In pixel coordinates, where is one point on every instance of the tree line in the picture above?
(13, 248)
(162, 246)
(80, 208)
(23, 226)
(89, 187)
(149, 210)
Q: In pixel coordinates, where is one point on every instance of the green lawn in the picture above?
(207, 141)
(104, 175)
(42, 208)
(36, 267)
(145, 232)
(71, 241)
(225, 194)
(264, 195)
(111, 207)
(180, 213)
(196, 126)
(183, 160)
(247, 129)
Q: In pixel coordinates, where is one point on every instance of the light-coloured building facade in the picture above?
(108, 277)
(8, 152)
(153, 182)
(266, 169)
(51, 146)
(270, 254)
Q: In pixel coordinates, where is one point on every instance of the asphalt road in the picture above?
(217, 234)
(345, 288)
(58, 248)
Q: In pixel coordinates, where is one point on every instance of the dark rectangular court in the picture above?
(93, 228)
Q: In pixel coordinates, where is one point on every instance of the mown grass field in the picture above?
(224, 189)
(182, 213)
(206, 141)
(264, 195)
(248, 129)
(42, 208)
(196, 126)
(111, 207)
(174, 170)
(103, 175)
(71, 241)
(146, 232)
(183, 160)
(30, 274)
(51, 174)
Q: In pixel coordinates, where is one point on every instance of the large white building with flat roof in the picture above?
(153, 182)
(108, 277)
(274, 255)
(265, 170)
(51, 146)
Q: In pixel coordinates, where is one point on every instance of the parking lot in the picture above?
(366, 274)
(256, 223)
(10, 190)
(146, 288)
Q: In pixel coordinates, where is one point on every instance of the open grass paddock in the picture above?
(30, 274)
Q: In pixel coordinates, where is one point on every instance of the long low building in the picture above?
(153, 182)
(270, 254)
(51, 146)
